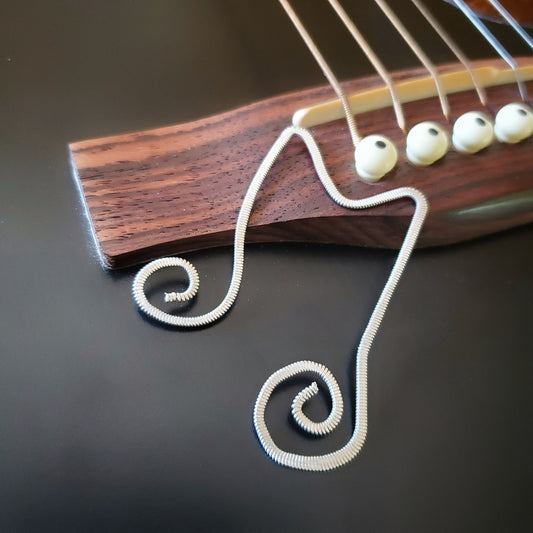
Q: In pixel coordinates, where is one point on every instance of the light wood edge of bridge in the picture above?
(408, 91)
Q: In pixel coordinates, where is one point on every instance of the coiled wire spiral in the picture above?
(353, 446)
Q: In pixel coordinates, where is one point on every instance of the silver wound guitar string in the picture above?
(345, 454)
(352, 448)
(342, 456)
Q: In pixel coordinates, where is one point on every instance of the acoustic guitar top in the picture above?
(179, 188)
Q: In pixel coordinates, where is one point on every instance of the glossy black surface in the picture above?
(111, 423)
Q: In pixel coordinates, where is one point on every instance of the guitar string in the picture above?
(495, 43)
(374, 60)
(452, 45)
(353, 446)
(328, 73)
(420, 54)
(351, 449)
(512, 22)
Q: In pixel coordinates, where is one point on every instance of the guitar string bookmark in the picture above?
(351, 449)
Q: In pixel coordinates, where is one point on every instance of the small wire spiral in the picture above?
(352, 448)
(142, 276)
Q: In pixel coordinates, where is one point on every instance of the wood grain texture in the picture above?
(179, 188)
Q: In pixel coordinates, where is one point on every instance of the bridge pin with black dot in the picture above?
(375, 156)
(514, 123)
(472, 132)
(426, 143)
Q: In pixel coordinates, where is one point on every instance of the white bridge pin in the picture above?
(375, 155)
(426, 143)
(472, 132)
(514, 123)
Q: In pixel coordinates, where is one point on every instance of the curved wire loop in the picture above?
(352, 448)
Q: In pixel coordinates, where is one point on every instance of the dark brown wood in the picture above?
(179, 188)
(521, 10)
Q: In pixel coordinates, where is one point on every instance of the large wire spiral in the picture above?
(353, 446)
